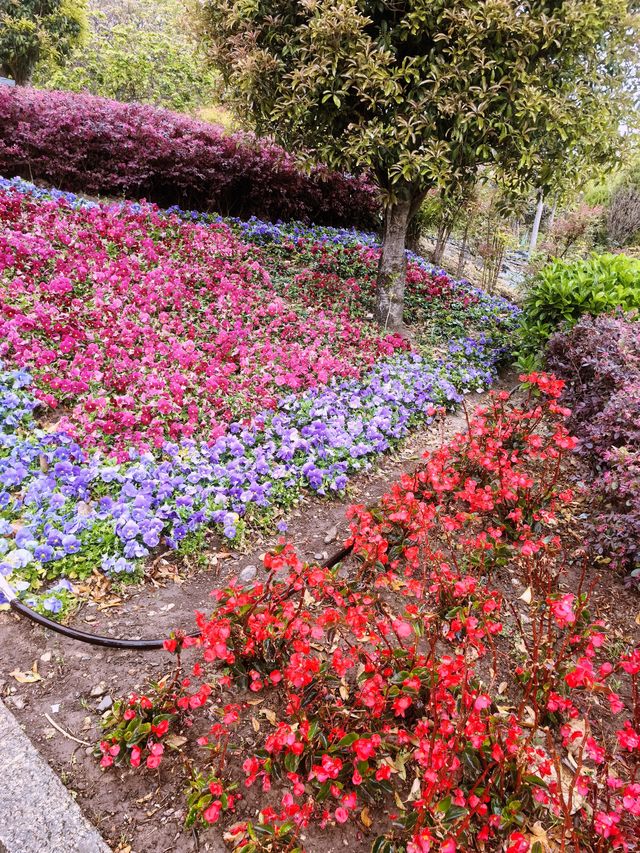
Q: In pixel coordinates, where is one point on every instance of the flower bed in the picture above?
(162, 359)
(144, 328)
(408, 692)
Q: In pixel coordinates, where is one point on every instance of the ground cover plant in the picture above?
(163, 375)
(332, 266)
(600, 361)
(94, 145)
(407, 693)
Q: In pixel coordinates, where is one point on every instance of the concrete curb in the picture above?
(37, 813)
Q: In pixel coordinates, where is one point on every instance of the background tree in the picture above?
(620, 196)
(419, 93)
(32, 30)
(143, 52)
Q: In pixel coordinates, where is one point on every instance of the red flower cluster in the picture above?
(400, 681)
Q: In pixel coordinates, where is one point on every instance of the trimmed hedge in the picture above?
(97, 146)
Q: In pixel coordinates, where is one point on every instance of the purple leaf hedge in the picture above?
(93, 145)
(599, 358)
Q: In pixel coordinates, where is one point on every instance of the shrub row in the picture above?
(600, 361)
(97, 146)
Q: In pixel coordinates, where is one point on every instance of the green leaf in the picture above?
(346, 741)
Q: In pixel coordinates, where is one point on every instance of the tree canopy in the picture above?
(421, 93)
(32, 30)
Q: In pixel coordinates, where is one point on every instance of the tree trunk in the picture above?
(552, 215)
(21, 74)
(463, 250)
(392, 269)
(441, 243)
(536, 224)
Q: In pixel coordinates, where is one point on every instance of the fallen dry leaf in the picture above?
(399, 803)
(270, 715)
(416, 789)
(26, 677)
(527, 595)
(365, 817)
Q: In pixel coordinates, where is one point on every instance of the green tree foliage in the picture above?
(421, 93)
(33, 30)
(140, 52)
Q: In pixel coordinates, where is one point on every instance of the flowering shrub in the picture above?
(600, 361)
(98, 146)
(149, 369)
(395, 682)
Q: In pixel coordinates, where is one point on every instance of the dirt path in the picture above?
(77, 680)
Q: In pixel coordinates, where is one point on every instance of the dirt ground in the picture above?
(143, 812)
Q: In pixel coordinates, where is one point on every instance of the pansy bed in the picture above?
(164, 372)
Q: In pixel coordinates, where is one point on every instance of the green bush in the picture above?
(563, 291)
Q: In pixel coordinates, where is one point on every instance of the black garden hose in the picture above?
(112, 642)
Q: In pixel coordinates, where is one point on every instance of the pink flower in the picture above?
(402, 629)
(563, 609)
(155, 755)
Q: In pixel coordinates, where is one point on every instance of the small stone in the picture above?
(331, 534)
(320, 556)
(90, 617)
(46, 657)
(55, 708)
(83, 508)
(105, 704)
(99, 690)
(248, 574)
(16, 701)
